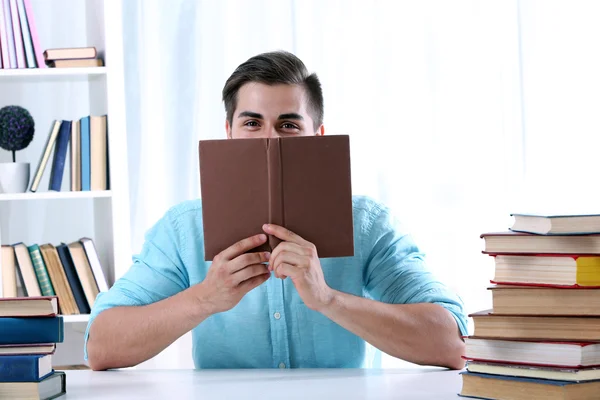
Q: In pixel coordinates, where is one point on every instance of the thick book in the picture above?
(525, 243)
(69, 53)
(27, 349)
(68, 306)
(30, 281)
(73, 278)
(484, 386)
(29, 306)
(546, 269)
(556, 224)
(90, 264)
(60, 156)
(51, 387)
(25, 368)
(545, 300)
(531, 352)
(496, 326)
(26, 331)
(300, 183)
(40, 270)
(529, 371)
(78, 63)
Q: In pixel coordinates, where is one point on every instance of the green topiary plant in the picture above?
(16, 129)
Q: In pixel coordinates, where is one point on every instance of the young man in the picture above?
(297, 311)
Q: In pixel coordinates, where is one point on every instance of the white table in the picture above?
(264, 384)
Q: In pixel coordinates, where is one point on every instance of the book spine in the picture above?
(10, 37)
(275, 177)
(35, 40)
(18, 37)
(32, 330)
(85, 153)
(3, 39)
(29, 56)
(19, 368)
(40, 271)
(60, 156)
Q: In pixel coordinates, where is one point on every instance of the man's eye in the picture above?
(251, 123)
(287, 125)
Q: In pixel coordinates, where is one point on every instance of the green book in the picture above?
(40, 270)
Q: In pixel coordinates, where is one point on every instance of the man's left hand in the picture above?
(297, 258)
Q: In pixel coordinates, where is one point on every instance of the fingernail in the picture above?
(267, 256)
(262, 237)
(266, 226)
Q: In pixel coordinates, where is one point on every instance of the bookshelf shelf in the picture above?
(51, 72)
(76, 318)
(55, 195)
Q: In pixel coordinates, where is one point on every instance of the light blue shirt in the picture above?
(271, 327)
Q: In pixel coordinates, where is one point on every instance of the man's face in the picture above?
(265, 111)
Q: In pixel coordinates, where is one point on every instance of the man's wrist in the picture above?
(200, 305)
(331, 302)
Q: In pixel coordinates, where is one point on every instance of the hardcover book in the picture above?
(300, 183)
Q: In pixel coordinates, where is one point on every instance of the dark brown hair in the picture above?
(274, 68)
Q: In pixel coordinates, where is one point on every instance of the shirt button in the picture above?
(277, 316)
(281, 365)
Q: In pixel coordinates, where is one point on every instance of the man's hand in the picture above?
(234, 273)
(298, 259)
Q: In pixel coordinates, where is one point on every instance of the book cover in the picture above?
(511, 242)
(25, 368)
(45, 155)
(3, 39)
(27, 349)
(98, 153)
(35, 306)
(32, 330)
(40, 270)
(51, 387)
(529, 371)
(10, 36)
(85, 153)
(18, 36)
(27, 270)
(583, 224)
(70, 53)
(35, 38)
(73, 278)
(301, 183)
(94, 263)
(59, 280)
(60, 156)
(27, 43)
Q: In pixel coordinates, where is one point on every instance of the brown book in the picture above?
(495, 326)
(525, 243)
(98, 153)
(486, 386)
(301, 183)
(41, 306)
(79, 63)
(538, 300)
(70, 53)
(59, 280)
(84, 272)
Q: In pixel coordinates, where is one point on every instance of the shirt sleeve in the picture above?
(396, 271)
(157, 272)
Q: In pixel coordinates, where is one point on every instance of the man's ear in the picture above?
(320, 131)
(228, 129)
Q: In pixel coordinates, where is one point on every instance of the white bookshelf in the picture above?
(69, 94)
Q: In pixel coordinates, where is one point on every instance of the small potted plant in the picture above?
(16, 133)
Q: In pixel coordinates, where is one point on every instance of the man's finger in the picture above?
(242, 261)
(284, 270)
(242, 246)
(252, 283)
(249, 272)
(289, 247)
(284, 234)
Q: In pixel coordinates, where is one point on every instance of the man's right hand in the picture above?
(233, 273)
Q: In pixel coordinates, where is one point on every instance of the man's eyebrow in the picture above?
(250, 114)
(291, 116)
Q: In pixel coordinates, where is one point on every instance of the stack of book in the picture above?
(72, 272)
(19, 41)
(88, 143)
(541, 339)
(30, 328)
(75, 57)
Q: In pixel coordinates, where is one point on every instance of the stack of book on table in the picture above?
(541, 340)
(30, 328)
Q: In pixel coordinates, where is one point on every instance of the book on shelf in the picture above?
(525, 243)
(70, 53)
(545, 300)
(45, 155)
(40, 270)
(73, 278)
(556, 224)
(51, 387)
(84, 63)
(29, 306)
(528, 371)
(59, 280)
(60, 156)
(489, 386)
(247, 183)
(572, 328)
(19, 39)
(9, 272)
(27, 272)
(25, 368)
(547, 269)
(571, 355)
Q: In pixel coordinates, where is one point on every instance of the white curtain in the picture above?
(454, 109)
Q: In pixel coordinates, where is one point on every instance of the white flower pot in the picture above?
(14, 177)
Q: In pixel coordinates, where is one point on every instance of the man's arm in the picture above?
(421, 333)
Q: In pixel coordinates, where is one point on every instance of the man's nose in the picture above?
(272, 132)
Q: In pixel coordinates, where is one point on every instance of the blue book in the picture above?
(67, 262)
(26, 368)
(85, 153)
(60, 156)
(31, 330)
